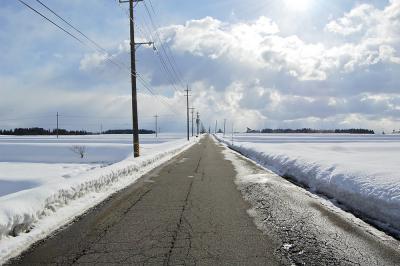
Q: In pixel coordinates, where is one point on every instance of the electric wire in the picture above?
(98, 47)
(161, 43)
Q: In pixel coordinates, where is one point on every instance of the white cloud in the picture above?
(355, 21)
(259, 44)
(92, 61)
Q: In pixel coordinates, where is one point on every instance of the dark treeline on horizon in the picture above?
(41, 131)
(309, 130)
(128, 131)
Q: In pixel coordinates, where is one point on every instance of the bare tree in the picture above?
(80, 150)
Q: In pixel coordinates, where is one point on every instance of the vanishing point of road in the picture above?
(189, 211)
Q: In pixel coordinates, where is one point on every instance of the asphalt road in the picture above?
(189, 211)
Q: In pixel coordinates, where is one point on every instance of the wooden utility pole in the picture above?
(57, 124)
(156, 116)
(192, 111)
(135, 123)
(198, 122)
(224, 126)
(232, 133)
(187, 110)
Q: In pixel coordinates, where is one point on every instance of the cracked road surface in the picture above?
(189, 211)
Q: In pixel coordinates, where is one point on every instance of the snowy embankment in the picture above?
(28, 214)
(360, 172)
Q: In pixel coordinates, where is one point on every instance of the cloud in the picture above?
(259, 44)
(92, 61)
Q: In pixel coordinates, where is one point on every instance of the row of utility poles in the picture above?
(191, 110)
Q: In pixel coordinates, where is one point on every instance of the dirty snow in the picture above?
(360, 172)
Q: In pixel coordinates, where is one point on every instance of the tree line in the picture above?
(310, 130)
(41, 131)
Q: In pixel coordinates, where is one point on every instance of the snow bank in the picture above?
(29, 215)
(362, 175)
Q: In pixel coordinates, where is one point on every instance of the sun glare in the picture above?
(298, 5)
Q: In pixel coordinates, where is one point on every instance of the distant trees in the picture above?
(249, 130)
(42, 131)
(309, 130)
(128, 131)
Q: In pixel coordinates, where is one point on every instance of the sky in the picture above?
(258, 64)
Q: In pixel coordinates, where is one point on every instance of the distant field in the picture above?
(30, 161)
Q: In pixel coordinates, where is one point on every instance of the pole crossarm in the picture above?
(138, 44)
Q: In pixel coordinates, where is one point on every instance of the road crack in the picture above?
(179, 225)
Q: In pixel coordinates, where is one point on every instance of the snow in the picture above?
(43, 185)
(360, 172)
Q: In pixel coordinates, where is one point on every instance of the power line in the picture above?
(69, 24)
(49, 20)
(160, 56)
(164, 67)
(173, 79)
(161, 43)
(98, 47)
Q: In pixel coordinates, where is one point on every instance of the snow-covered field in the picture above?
(361, 172)
(44, 184)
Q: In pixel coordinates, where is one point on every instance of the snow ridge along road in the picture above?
(32, 214)
(190, 211)
(359, 172)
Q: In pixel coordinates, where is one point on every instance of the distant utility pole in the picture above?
(57, 124)
(197, 123)
(232, 133)
(187, 110)
(224, 126)
(216, 125)
(192, 111)
(135, 123)
(156, 116)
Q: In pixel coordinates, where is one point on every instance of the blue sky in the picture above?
(304, 63)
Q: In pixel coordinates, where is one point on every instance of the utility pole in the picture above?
(197, 123)
(156, 116)
(224, 126)
(187, 110)
(135, 123)
(192, 109)
(216, 125)
(57, 124)
(232, 133)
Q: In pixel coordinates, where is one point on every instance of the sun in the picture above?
(298, 5)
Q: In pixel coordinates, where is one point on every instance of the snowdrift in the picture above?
(29, 215)
(362, 177)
